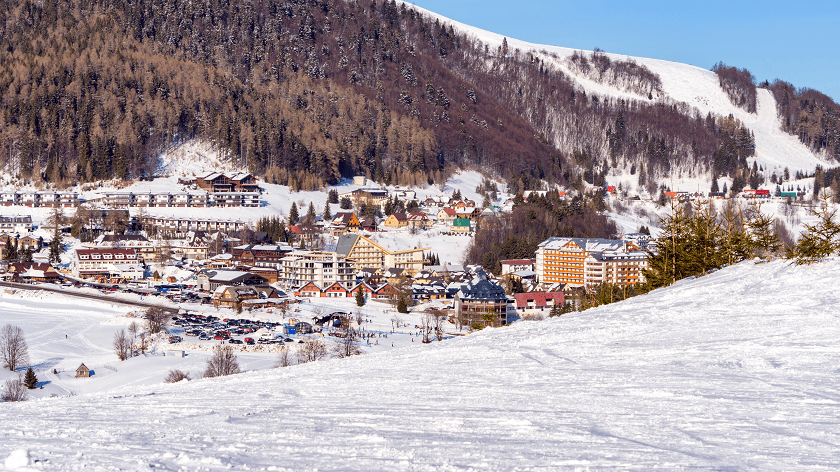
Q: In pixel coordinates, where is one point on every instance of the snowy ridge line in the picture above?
(696, 87)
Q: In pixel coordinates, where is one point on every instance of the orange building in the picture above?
(589, 262)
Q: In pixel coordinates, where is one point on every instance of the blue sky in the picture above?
(797, 41)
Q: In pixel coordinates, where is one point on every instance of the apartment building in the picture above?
(585, 262)
(318, 267)
(16, 224)
(108, 262)
(169, 200)
(39, 199)
(366, 253)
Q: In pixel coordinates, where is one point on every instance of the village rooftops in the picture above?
(587, 244)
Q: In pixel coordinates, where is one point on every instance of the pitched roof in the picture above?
(346, 243)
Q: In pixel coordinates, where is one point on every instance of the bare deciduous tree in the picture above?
(427, 325)
(13, 347)
(312, 350)
(223, 362)
(122, 345)
(359, 318)
(438, 318)
(156, 318)
(176, 375)
(133, 329)
(347, 346)
(396, 321)
(284, 357)
(14, 390)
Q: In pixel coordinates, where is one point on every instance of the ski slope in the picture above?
(684, 83)
(733, 371)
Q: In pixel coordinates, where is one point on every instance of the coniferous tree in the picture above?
(56, 247)
(327, 215)
(763, 239)
(360, 297)
(11, 254)
(310, 215)
(332, 196)
(30, 380)
(820, 239)
(293, 214)
(402, 307)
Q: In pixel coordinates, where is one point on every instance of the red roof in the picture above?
(539, 298)
(449, 211)
(518, 262)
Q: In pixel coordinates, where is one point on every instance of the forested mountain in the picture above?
(307, 91)
(810, 115)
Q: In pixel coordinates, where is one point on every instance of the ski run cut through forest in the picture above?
(737, 370)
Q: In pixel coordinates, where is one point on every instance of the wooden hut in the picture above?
(82, 371)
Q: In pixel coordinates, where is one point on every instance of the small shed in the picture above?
(82, 371)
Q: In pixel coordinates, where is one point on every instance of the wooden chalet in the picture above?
(82, 371)
(385, 291)
(336, 290)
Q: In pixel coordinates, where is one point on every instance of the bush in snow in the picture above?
(224, 362)
(15, 390)
(176, 375)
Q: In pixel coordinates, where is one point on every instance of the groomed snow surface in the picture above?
(737, 370)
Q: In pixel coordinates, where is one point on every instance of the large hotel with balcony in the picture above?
(581, 262)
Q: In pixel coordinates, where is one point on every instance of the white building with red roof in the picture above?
(111, 262)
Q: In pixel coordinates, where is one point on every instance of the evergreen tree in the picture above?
(27, 255)
(401, 305)
(56, 247)
(715, 187)
(360, 297)
(820, 239)
(310, 214)
(763, 238)
(293, 214)
(30, 380)
(11, 254)
(345, 204)
(327, 216)
(332, 196)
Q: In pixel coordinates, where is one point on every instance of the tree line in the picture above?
(516, 235)
(811, 116)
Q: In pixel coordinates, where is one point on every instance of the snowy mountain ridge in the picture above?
(684, 83)
(735, 370)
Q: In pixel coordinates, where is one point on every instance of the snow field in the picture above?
(736, 371)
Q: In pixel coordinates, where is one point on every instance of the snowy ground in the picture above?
(63, 332)
(733, 371)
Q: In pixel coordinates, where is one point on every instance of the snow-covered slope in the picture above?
(685, 83)
(733, 371)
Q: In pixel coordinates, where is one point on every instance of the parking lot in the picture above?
(234, 331)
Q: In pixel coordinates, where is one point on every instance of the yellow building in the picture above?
(366, 253)
(397, 220)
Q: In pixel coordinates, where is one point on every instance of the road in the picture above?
(104, 298)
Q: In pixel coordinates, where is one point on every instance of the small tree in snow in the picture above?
(122, 345)
(176, 375)
(223, 362)
(14, 390)
(30, 379)
(13, 349)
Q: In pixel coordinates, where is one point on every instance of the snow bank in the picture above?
(736, 370)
